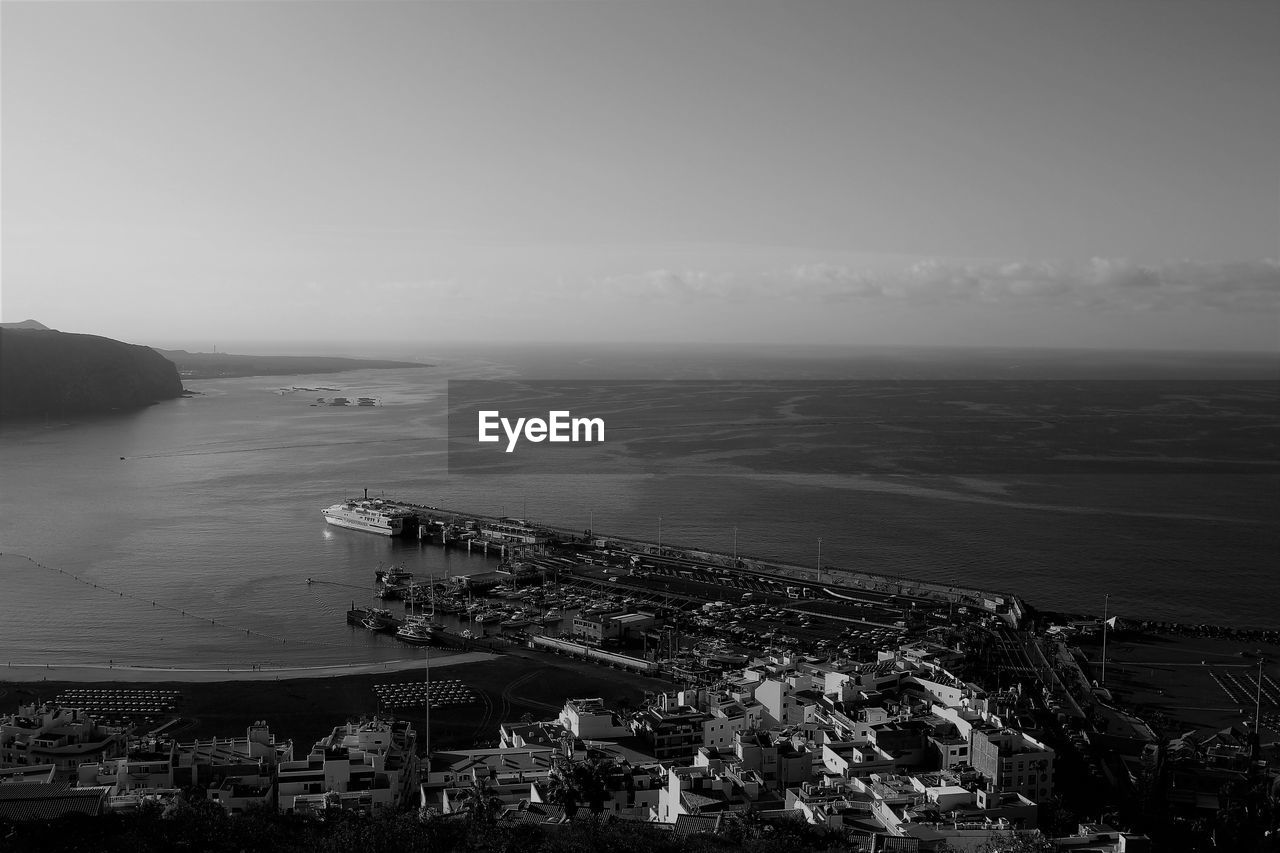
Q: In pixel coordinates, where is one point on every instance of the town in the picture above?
(890, 714)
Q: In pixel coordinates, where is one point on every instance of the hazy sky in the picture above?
(1051, 173)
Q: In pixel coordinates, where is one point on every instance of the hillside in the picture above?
(44, 372)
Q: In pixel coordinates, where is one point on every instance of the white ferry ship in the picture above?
(373, 516)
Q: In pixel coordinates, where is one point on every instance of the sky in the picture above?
(1078, 174)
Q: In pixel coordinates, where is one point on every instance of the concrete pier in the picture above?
(1007, 606)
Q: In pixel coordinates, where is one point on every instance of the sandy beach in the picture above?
(305, 703)
(16, 672)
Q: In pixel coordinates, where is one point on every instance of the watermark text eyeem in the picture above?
(558, 427)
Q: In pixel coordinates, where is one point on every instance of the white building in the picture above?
(63, 737)
(700, 790)
(1014, 762)
(590, 719)
(367, 765)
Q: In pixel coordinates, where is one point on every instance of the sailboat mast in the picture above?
(1105, 602)
(427, 734)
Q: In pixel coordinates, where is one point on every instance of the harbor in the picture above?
(691, 616)
(658, 647)
(542, 548)
(652, 607)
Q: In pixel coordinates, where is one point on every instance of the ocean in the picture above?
(184, 534)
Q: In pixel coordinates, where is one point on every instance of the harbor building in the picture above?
(513, 531)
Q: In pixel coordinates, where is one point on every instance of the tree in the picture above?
(1017, 842)
(573, 784)
(479, 803)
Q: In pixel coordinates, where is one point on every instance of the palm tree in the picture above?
(573, 784)
(562, 791)
(1033, 842)
(479, 803)
(1010, 842)
(591, 778)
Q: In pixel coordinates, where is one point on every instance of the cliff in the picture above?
(55, 373)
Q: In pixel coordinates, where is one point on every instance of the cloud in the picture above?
(1097, 283)
(673, 284)
(436, 288)
(1094, 285)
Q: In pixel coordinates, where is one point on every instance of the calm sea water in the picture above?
(213, 514)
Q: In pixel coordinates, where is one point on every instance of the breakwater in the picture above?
(519, 533)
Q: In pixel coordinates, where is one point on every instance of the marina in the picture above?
(541, 549)
(652, 608)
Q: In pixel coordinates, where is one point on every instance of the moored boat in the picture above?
(374, 619)
(415, 631)
(371, 516)
(394, 576)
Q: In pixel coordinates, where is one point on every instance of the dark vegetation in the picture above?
(201, 825)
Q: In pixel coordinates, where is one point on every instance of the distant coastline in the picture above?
(217, 365)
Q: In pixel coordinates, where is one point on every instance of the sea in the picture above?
(189, 534)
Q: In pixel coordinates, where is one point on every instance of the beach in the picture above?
(305, 703)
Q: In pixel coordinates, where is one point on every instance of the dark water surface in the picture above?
(215, 508)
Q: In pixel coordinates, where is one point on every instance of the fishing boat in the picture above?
(451, 605)
(415, 631)
(393, 576)
(377, 619)
(518, 620)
